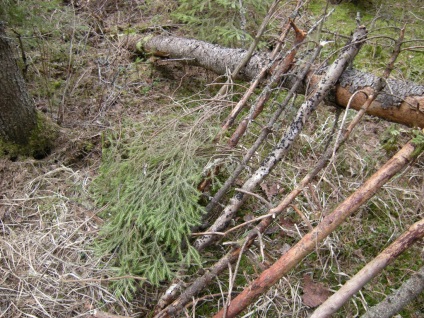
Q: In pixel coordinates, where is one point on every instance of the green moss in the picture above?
(40, 142)
(418, 141)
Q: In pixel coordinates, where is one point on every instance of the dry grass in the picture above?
(48, 221)
(46, 229)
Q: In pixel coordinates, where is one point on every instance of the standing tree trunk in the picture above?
(23, 131)
(18, 116)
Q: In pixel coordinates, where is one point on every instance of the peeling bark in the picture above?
(212, 57)
(309, 242)
(401, 102)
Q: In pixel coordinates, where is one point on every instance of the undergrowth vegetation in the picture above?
(147, 183)
(225, 22)
(107, 218)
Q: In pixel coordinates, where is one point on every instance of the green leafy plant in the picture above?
(148, 184)
(418, 140)
(390, 140)
(226, 22)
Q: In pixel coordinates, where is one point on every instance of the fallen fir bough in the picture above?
(400, 102)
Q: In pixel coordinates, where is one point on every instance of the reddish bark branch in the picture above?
(308, 243)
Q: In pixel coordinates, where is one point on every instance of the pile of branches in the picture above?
(335, 84)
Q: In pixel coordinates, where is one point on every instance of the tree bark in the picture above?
(372, 269)
(400, 102)
(394, 303)
(17, 110)
(309, 242)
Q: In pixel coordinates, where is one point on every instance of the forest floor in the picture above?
(79, 66)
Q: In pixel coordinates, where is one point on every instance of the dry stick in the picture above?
(394, 303)
(252, 47)
(275, 63)
(281, 69)
(277, 70)
(300, 36)
(262, 136)
(372, 269)
(381, 261)
(267, 219)
(309, 242)
(277, 154)
(325, 158)
(324, 86)
(233, 255)
(171, 293)
(188, 294)
(242, 102)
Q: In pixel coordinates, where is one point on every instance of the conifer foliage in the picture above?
(150, 197)
(226, 22)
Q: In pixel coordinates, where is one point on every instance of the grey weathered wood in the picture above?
(400, 102)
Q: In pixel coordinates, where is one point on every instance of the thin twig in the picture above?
(89, 280)
(269, 205)
(304, 218)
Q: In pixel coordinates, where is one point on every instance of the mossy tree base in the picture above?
(40, 142)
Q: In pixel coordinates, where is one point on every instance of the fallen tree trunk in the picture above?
(400, 102)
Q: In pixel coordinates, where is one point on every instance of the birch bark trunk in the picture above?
(400, 102)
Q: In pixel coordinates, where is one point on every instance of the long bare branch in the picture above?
(368, 272)
(322, 89)
(308, 243)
